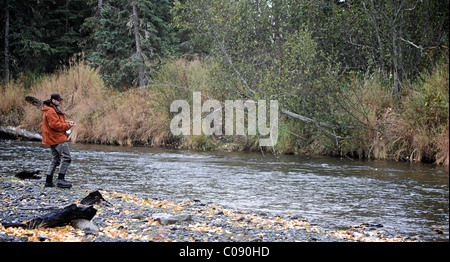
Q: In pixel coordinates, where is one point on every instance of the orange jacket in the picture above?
(54, 125)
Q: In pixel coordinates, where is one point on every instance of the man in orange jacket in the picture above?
(54, 127)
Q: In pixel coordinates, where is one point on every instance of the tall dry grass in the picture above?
(103, 115)
(413, 127)
(370, 103)
(79, 85)
(420, 132)
(11, 104)
(137, 116)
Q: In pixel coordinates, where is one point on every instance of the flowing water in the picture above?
(407, 199)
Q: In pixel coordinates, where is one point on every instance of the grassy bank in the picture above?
(412, 127)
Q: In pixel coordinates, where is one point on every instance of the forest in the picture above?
(357, 79)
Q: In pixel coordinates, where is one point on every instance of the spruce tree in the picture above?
(128, 39)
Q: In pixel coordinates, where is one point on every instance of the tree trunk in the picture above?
(397, 61)
(372, 15)
(138, 45)
(7, 42)
(395, 64)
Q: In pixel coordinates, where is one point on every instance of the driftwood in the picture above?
(10, 132)
(57, 218)
(94, 198)
(32, 174)
(64, 216)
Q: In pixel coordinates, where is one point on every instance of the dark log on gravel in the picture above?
(57, 218)
(10, 132)
(66, 215)
(93, 198)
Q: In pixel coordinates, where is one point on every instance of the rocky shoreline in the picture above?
(129, 218)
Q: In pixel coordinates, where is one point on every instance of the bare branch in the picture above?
(411, 43)
(224, 51)
(312, 121)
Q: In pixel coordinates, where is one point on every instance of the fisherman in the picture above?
(54, 127)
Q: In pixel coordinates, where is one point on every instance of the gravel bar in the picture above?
(130, 218)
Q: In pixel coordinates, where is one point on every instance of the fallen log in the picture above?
(57, 218)
(65, 216)
(94, 198)
(10, 132)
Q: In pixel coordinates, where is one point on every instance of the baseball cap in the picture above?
(56, 96)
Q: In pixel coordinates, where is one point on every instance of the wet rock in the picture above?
(138, 217)
(198, 202)
(296, 216)
(7, 185)
(43, 238)
(262, 213)
(372, 225)
(166, 219)
(6, 238)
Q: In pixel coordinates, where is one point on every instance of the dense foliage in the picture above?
(41, 36)
(357, 78)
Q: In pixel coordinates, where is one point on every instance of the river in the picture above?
(407, 199)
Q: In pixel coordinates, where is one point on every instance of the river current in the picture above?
(407, 199)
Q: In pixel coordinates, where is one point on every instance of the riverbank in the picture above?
(412, 127)
(130, 218)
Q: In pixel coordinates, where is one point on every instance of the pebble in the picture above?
(132, 218)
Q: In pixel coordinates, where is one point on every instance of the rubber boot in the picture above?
(61, 183)
(49, 181)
